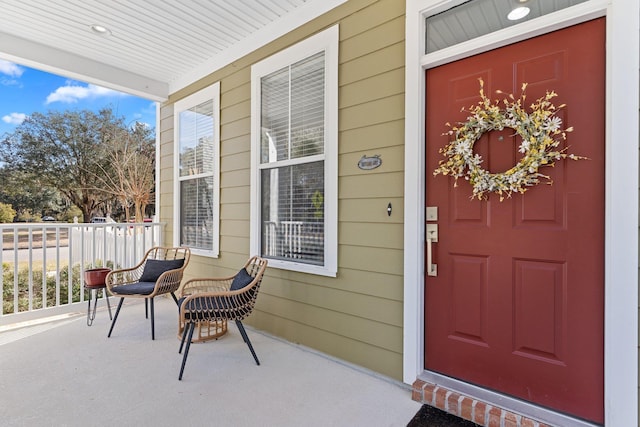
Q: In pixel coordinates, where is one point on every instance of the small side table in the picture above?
(94, 280)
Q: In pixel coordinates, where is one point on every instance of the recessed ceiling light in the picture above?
(518, 13)
(100, 30)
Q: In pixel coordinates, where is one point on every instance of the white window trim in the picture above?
(326, 41)
(211, 93)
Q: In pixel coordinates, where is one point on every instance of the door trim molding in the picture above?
(621, 175)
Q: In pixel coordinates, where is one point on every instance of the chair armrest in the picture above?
(169, 281)
(123, 276)
(201, 286)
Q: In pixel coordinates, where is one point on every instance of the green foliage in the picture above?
(68, 215)
(27, 194)
(8, 275)
(26, 216)
(7, 213)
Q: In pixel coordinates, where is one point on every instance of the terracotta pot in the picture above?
(95, 276)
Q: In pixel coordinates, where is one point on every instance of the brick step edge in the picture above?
(469, 408)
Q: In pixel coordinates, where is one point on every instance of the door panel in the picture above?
(517, 305)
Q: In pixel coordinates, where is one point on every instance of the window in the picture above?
(197, 166)
(476, 18)
(294, 156)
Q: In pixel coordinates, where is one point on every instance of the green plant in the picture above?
(51, 289)
(7, 213)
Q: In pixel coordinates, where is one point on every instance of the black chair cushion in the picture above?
(138, 288)
(153, 268)
(242, 279)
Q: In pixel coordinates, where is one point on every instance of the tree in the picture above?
(27, 195)
(71, 152)
(6, 213)
(131, 174)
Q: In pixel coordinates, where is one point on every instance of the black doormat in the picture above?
(428, 416)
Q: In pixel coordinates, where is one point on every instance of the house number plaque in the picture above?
(369, 163)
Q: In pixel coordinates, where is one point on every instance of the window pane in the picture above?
(275, 116)
(196, 204)
(196, 140)
(293, 213)
(479, 17)
(292, 111)
(307, 107)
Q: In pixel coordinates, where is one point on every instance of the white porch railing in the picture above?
(294, 239)
(43, 264)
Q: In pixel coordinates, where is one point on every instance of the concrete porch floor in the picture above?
(64, 373)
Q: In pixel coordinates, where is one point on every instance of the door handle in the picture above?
(431, 237)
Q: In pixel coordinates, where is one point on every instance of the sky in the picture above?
(25, 90)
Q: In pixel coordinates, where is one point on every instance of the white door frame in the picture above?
(621, 186)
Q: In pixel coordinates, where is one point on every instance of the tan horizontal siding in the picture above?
(380, 86)
(386, 362)
(234, 195)
(235, 227)
(235, 178)
(374, 235)
(372, 210)
(371, 137)
(363, 282)
(381, 260)
(378, 111)
(326, 301)
(239, 144)
(234, 211)
(372, 16)
(373, 185)
(378, 38)
(337, 323)
(378, 62)
(358, 315)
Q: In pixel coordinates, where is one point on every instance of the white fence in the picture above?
(49, 259)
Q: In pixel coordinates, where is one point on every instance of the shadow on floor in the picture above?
(428, 416)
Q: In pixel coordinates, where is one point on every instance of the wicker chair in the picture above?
(220, 300)
(160, 272)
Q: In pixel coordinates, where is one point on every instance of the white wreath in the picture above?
(541, 135)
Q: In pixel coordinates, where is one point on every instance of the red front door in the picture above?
(517, 303)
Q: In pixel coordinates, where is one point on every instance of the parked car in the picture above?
(48, 218)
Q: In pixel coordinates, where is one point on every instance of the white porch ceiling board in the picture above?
(156, 47)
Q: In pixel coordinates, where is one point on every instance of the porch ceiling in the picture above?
(155, 47)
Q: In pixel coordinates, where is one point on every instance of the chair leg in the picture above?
(185, 331)
(146, 309)
(153, 330)
(191, 326)
(115, 316)
(175, 299)
(246, 339)
(106, 295)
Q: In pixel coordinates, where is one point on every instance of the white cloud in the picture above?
(10, 69)
(72, 93)
(14, 118)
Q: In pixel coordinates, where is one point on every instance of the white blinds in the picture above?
(293, 111)
(292, 161)
(196, 206)
(196, 140)
(196, 167)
